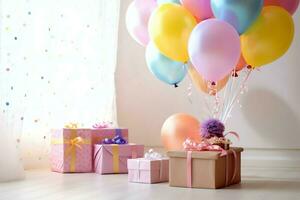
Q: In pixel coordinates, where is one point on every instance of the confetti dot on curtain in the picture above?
(7, 103)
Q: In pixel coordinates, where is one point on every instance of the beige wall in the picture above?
(270, 117)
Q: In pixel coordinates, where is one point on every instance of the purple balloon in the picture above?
(137, 17)
(199, 8)
(214, 49)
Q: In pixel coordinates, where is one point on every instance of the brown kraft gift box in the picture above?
(206, 169)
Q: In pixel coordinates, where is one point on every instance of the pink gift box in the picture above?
(99, 134)
(112, 158)
(143, 170)
(71, 150)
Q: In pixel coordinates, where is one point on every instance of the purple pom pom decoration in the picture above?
(212, 128)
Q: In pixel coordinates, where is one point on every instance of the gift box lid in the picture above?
(146, 164)
(207, 155)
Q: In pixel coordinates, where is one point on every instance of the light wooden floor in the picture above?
(42, 184)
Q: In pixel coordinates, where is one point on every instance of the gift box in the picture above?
(142, 170)
(112, 158)
(99, 134)
(71, 150)
(205, 169)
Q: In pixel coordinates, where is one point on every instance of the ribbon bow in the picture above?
(71, 125)
(190, 145)
(118, 139)
(152, 155)
(102, 125)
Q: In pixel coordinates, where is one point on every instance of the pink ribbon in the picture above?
(232, 133)
(102, 125)
(189, 145)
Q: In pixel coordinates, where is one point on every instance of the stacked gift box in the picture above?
(99, 149)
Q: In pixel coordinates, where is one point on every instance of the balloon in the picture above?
(269, 37)
(201, 9)
(166, 70)
(177, 128)
(202, 85)
(214, 49)
(241, 64)
(168, 1)
(170, 26)
(239, 13)
(289, 5)
(137, 17)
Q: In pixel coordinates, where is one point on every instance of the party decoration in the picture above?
(202, 85)
(165, 69)
(269, 37)
(212, 128)
(103, 124)
(177, 128)
(201, 9)
(289, 5)
(170, 26)
(137, 17)
(241, 64)
(240, 14)
(168, 1)
(118, 139)
(214, 49)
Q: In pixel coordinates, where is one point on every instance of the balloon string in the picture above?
(231, 94)
(240, 91)
(225, 97)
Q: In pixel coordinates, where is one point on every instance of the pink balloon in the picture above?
(199, 8)
(214, 49)
(290, 5)
(137, 17)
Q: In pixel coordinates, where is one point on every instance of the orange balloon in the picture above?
(177, 128)
(241, 64)
(202, 84)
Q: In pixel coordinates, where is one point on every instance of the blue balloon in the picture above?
(168, 1)
(165, 69)
(239, 13)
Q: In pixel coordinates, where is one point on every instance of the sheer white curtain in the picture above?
(58, 60)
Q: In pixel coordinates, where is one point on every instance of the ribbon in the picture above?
(152, 155)
(232, 133)
(71, 125)
(118, 139)
(190, 145)
(74, 142)
(102, 125)
(115, 154)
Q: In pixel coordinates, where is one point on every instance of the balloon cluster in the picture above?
(215, 37)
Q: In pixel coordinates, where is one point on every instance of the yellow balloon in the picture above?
(269, 37)
(169, 27)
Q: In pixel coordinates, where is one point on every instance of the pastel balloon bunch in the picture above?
(212, 37)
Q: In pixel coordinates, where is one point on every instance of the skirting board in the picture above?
(266, 163)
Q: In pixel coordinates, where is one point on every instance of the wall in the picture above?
(268, 120)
